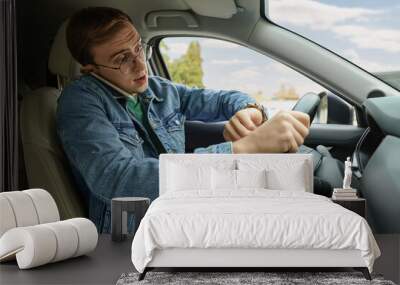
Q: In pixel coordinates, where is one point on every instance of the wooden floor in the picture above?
(106, 264)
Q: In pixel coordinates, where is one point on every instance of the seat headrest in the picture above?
(61, 61)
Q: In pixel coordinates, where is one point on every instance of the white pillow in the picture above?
(282, 174)
(251, 178)
(183, 177)
(293, 180)
(231, 180)
(223, 179)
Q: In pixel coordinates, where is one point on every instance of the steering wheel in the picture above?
(308, 104)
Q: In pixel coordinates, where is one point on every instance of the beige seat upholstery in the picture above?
(45, 162)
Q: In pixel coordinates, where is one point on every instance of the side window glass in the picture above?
(217, 64)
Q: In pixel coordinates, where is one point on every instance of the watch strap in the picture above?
(261, 108)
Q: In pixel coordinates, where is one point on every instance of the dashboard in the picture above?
(377, 163)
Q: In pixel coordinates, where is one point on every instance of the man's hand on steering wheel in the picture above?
(242, 123)
(284, 132)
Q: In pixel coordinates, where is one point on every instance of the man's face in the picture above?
(124, 44)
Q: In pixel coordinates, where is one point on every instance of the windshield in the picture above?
(365, 32)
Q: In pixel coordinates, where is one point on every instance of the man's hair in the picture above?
(91, 26)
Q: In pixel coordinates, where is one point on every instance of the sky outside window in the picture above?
(363, 31)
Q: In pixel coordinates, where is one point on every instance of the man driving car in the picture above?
(115, 120)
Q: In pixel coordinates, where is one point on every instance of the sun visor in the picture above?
(218, 9)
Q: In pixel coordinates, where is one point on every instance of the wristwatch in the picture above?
(260, 107)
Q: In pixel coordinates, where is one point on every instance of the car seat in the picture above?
(45, 162)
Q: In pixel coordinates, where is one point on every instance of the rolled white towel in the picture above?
(7, 218)
(45, 205)
(26, 208)
(40, 244)
(87, 234)
(23, 208)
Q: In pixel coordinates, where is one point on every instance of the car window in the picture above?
(366, 33)
(218, 64)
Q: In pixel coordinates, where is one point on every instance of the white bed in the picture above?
(198, 223)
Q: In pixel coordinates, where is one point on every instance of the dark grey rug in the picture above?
(229, 278)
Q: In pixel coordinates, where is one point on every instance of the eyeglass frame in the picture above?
(143, 51)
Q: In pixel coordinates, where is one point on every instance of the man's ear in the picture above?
(88, 68)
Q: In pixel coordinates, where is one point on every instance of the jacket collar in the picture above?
(147, 94)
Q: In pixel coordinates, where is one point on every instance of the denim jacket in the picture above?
(105, 151)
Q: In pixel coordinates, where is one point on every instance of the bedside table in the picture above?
(358, 205)
(120, 207)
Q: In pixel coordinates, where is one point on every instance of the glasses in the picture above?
(128, 61)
